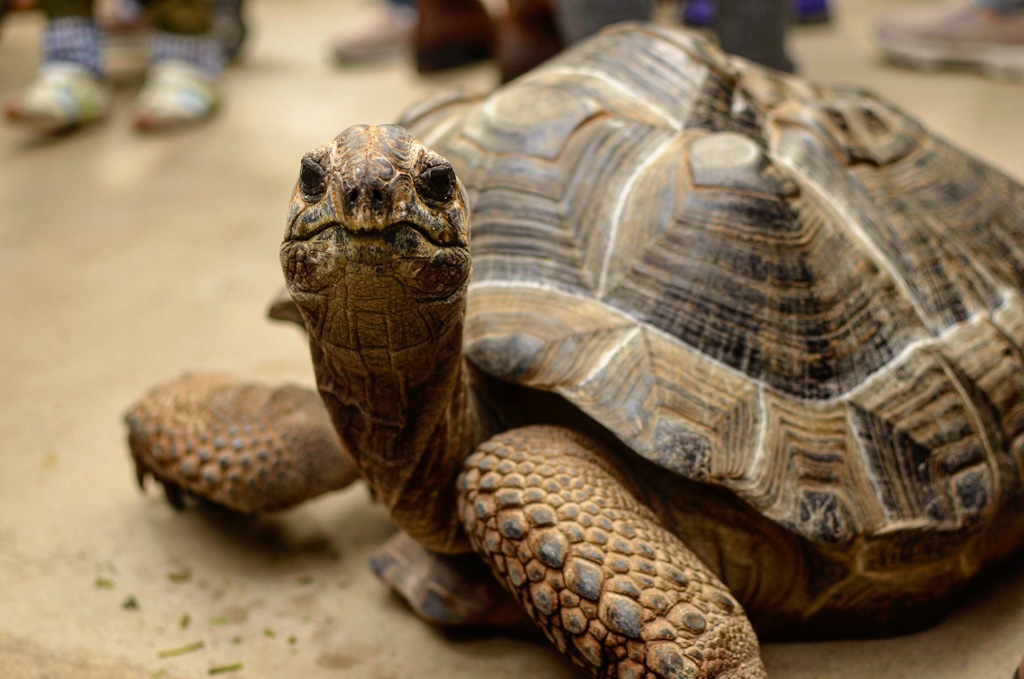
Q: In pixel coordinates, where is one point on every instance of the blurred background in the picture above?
(128, 257)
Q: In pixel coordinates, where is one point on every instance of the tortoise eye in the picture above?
(312, 180)
(438, 183)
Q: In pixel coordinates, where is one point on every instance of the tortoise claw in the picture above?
(175, 496)
(447, 590)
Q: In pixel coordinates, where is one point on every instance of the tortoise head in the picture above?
(376, 257)
(376, 252)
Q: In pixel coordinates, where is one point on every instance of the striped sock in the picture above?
(74, 39)
(204, 51)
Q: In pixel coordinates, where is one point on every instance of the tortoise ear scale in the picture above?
(312, 180)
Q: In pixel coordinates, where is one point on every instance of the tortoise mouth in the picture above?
(367, 232)
(387, 234)
(404, 244)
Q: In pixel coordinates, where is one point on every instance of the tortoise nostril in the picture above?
(375, 198)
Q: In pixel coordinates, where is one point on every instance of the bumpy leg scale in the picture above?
(563, 529)
(247, 447)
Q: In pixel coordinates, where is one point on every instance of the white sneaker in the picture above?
(957, 32)
(175, 93)
(63, 96)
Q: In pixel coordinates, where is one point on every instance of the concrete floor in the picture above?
(126, 259)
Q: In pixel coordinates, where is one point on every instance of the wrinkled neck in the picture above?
(409, 418)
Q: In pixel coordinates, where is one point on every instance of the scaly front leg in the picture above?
(247, 447)
(614, 590)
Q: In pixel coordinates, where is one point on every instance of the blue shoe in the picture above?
(810, 11)
(702, 13)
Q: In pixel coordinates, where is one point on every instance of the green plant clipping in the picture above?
(224, 669)
(181, 650)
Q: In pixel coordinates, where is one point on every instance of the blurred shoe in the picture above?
(810, 11)
(451, 33)
(525, 37)
(175, 93)
(15, 6)
(388, 34)
(699, 13)
(955, 33)
(63, 96)
(703, 13)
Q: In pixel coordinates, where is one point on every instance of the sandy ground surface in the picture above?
(126, 259)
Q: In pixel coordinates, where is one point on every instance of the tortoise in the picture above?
(731, 352)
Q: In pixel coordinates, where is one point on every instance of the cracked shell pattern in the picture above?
(592, 565)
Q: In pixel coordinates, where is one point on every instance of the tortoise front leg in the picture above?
(247, 447)
(613, 589)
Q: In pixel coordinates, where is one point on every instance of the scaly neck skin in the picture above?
(376, 255)
(409, 418)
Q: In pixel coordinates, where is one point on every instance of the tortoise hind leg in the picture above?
(593, 567)
(247, 447)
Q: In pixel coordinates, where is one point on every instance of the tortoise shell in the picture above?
(793, 292)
